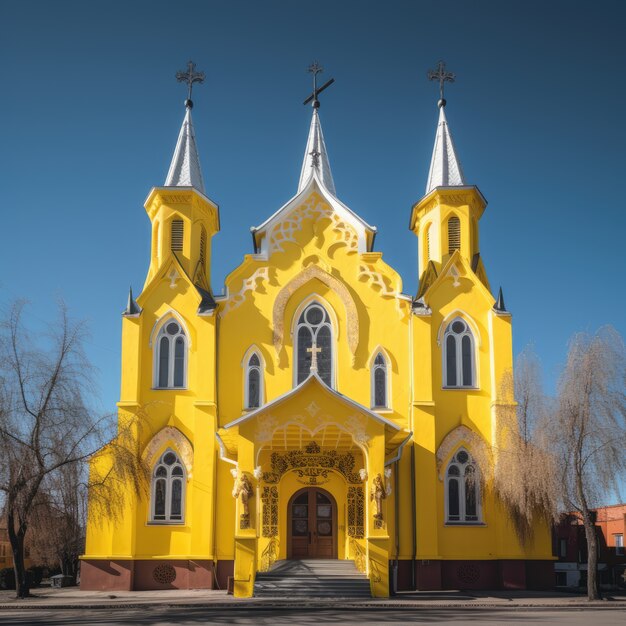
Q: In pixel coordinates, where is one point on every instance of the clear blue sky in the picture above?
(90, 112)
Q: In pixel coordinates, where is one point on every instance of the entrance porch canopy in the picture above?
(312, 411)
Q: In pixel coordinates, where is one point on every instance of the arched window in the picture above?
(253, 391)
(462, 490)
(314, 336)
(177, 235)
(458, 355)
(454, 234)
(171, 356)
(202, 246)
(380, 382)
(168, 489)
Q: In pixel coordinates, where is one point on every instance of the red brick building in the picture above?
(571, 548)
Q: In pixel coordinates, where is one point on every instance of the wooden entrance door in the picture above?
(312, 525)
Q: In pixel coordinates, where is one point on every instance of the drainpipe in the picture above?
(413, 520)
(396, 483)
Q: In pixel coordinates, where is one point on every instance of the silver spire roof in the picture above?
(185, 167)
(316, 158)
(445, 167)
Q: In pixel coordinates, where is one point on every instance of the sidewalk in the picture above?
(73, 598)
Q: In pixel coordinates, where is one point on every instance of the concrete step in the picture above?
(320, 578)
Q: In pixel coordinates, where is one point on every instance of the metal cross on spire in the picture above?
(442, 76)
(190, 77)
(315, 68)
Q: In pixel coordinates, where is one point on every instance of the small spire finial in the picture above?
(190, 77)
(315, 68)
(499, 306)
(441, 75)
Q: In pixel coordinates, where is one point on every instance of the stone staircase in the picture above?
(312, 578)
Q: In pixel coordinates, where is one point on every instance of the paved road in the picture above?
(190, 616)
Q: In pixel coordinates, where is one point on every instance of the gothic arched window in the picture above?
(313, 335)
(380, 380)
(253, 390)
(171, 356)
(454, 234)
(458, 355)
(462, 489)
(168, 489)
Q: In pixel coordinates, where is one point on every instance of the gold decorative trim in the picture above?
(336, 285)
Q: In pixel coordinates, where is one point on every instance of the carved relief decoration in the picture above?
(461, 434)
(249, 284)
(328, 279)
(269, 498)
(311, 457)
(376, 280)
(356, 512)
(173, 436)
(312, 209)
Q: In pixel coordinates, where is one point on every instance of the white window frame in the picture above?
(296, 327)
(246, 378)
(169, 479)
(619, 544)
(458, 341)
(373, 367)
(462, 521)
(171, 348)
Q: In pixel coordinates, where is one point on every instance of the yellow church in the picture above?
(315, 425)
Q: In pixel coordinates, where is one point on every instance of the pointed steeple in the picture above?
(445, 167)
(316, 157)
(132, 308)
(185, 167)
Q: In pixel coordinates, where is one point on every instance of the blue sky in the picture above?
(90, 112)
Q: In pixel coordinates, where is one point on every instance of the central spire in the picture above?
(315, 154)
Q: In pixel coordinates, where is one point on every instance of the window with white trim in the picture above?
(380, 395)
(619, 544)
(459, 369)
(462, 490)
(168, 489)
(171, 356)
(254, 381)
(313, 334)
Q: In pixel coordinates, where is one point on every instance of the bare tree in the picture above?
(524, 468)
(47, 424)
(588, 431)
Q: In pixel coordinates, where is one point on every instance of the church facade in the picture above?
(314, 410)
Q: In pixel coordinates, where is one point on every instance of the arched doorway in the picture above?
(312, 524)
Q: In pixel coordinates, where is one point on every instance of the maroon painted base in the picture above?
(144, 575)
(476, 575)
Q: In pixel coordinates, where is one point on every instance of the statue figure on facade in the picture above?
(377, 495)
(243, 490)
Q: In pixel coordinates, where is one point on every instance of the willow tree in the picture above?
(48, 424)
(588, 431)
(524, 464)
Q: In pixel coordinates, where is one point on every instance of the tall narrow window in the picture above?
(454, 234)
(314, 337)
(202, 246)
(177, 235)
(458, 355)
(171, 356)
(462, 490)
(253, 382)
(379, 382)
(168, 489)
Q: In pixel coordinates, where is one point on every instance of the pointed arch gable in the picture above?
(461, 436)
(174, 438)
(465, 317)
(278, 315)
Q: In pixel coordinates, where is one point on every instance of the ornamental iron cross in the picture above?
(315, 68)
(190, 77)
(442, 76)
(314, 351)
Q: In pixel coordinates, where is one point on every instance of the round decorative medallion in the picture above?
(468, 573)
(164, 574)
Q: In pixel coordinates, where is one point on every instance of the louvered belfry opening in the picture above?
(454, 234)
(177, 235)
(202, 246)
(428, 253)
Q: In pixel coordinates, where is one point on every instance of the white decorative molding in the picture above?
(456, 437)
(248, 284)
(174, 438)
(376, 280)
